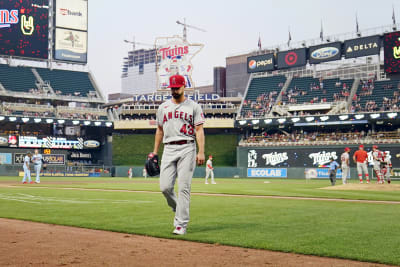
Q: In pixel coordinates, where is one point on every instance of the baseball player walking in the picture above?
(361, 159)
(27, 171)
(37, 164)
(345, 160)
(130, 173)
(180, 121)
(210, 170)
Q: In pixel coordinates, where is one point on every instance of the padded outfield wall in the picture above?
(299, 161)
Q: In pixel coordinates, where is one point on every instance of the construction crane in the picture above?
(185, 26)
(134, 43)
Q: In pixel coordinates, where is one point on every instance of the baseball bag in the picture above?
(152, 165)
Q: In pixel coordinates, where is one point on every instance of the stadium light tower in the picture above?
(185, 26)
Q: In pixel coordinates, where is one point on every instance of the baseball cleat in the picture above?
(206, 182)
(31, 182)
(37, 182)
(179, 231)
(214, 183)
(24, 182)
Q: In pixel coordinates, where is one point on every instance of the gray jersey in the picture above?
(179, 120)
(37, 159)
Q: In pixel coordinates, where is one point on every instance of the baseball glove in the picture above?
(151, 165)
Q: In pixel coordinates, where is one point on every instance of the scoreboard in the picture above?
(24, 28)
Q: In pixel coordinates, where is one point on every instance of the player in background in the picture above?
(377, 157)
(210, 170)
(386, 167)
(345, 160)
(37, 164)
(144, 172)
(27, 171)
(333, 165)
(130, 173)
(179, 123)
(361, 159)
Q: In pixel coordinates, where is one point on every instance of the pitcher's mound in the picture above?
(373, 186)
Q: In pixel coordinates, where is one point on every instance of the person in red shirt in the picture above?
(361, 159)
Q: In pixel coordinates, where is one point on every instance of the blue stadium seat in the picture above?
(19, 79)
(68, 82)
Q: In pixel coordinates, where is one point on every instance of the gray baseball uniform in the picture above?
(37, 161)
(179, 157)
(209, 171)
(345, 167)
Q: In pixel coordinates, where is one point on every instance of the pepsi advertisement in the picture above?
(292, 58)
(260, 63)
(362, 47)
(24, 28)
(324, 53)
(391, 44)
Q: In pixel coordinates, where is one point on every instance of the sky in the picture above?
(232, 27)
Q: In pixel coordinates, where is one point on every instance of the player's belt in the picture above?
(182, 142)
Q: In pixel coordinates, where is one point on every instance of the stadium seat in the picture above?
(19, 79)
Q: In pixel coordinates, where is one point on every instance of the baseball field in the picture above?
(358, 222)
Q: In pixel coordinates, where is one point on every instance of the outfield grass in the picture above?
(360, 231)
(275, 187)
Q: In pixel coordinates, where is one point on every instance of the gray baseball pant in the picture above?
(178, 161)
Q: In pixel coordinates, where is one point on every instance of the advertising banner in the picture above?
(267, 173)
(391, 44)
(361, 47)
(321, 173)
(50, 142)
(260, 63)
(315, 157)
(325, 52)
(5, 158)
(3, 140)
(72, 14)
(71, 45)
(292, 58)
(24, 28)
(54, 159)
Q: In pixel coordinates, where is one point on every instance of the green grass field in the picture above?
(352, 230)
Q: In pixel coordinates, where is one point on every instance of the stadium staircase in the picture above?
(259, 86)
(353, 91)
(72, 83)
(42, 86)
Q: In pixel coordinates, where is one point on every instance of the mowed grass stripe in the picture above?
(360, 231)
(218, 195)
(275, 187)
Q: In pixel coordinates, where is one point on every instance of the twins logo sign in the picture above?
(252, 158)
(272, 159)
(322, 158)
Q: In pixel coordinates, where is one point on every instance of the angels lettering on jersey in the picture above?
(179, 120)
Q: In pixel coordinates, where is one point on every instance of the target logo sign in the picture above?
(291, 58)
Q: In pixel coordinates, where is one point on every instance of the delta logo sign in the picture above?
(8, 17)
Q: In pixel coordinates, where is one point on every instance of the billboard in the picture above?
(53, 159)
(174, 56)
(362, 47)
(391, 44)
(72, 14)
(260, 63)
(325, 52)
(71, 45)
(50, 142)
(309, 157)
(24, 28)
(292, 58)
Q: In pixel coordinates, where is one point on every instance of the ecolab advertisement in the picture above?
(260, 63)
(71, 45)
(72, 14)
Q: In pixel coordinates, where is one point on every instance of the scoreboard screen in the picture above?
(24, 28)
(391, 43)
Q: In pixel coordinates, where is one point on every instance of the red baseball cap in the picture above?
(176, 81)
(347, 149)
(374, 146)
(210, 156)
(361, 146)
